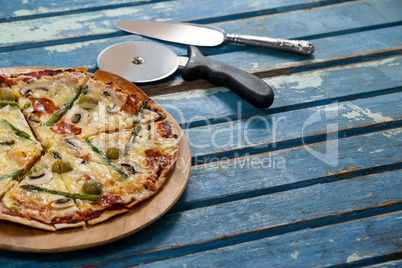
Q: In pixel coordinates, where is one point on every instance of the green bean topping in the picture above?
(63, 109)
(12, 175)
(66, 194)
(136, 129)
(110, 163)
(17, 131)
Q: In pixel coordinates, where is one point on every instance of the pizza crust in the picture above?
(60, 226)
(107, 214)
(24, 221)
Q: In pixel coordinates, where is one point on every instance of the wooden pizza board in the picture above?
(23, 238)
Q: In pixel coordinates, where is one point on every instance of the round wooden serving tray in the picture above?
(23, 238)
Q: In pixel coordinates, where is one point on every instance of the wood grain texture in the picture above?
(296, 91)
(32, 8)
(102, 22)
(284, 169)
(258, 194)
(342, 244)
(274, 210)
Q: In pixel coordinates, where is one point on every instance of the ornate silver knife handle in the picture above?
(297, 46)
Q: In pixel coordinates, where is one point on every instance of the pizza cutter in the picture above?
(141, 62)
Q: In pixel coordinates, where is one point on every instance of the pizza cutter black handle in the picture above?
(246, 85)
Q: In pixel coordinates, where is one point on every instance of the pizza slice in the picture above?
(109, 103)
(18, 147)
(124, 176)
(42, 199)
(46, 95)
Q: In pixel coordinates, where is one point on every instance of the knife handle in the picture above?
(246, 85)
(296, 46)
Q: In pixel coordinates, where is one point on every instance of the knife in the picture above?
(142, 62)
(199, 35)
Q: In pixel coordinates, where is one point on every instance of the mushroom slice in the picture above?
(131, 167)
(114, 102)
(34, 118)
(113, 108)
(63, 203)
(40, 177)
(74, 143)
(80, 117)
(30, 88)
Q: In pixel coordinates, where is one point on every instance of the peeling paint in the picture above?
(393, 133)
(301, 81)
(377, 151)
(295, 254)
(357, 257)
(49, 28)
(199, 93)
(67, 47)
(255, 65)
(362, 238)
(25, 12)
(360, 112)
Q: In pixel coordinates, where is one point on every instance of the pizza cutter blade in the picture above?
(142, 62)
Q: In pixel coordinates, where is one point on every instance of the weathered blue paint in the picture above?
(266, 212)
(101, 22)
(257, 197)
(350, 243)
(36, 8)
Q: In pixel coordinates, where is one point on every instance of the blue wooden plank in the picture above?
(100, 23)
(195, 227)
(284, 169)
(272, 211)
(36, 8)
(263, 131)
(218, 103)
(291, 92)
(390, 264)
(357, 243)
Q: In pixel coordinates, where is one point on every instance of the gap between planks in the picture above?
(335, 219)
(293, 68)
(354, 174)
(294, 143)
(222, 18)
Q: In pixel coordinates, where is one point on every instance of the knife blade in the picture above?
(145, 62)
(199, 35)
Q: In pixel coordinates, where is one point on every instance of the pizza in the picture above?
(77, 148)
